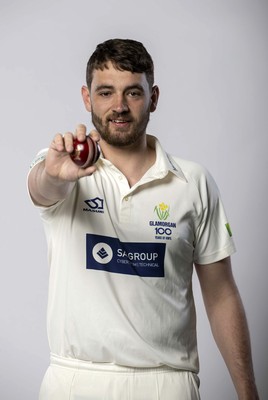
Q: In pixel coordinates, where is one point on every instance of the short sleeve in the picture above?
(213, 236)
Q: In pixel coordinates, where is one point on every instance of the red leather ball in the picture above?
(85, 153)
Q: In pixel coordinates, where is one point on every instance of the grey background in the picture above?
(211, 66)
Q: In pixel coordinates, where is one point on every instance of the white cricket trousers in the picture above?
(69, 379)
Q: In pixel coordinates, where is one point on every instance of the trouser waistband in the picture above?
(108, 367)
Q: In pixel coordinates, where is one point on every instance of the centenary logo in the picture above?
(162, 211)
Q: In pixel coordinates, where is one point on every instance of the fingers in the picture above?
(58, 143)
(64, 142)
(68, 142)
(81, 132)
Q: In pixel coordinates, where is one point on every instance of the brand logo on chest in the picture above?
(94, 205)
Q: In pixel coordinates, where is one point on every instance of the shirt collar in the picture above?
(165, 162)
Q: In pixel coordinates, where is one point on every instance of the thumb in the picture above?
(95, 135)
(82, 172)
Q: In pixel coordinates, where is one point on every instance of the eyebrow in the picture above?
(101, 87)
(111, 87)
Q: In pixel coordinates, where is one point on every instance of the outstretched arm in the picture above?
(229, 325)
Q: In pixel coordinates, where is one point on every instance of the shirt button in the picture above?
(126, 198)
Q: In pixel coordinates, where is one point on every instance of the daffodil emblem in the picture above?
(162, 211)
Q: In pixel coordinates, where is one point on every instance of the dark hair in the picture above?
(125, 55)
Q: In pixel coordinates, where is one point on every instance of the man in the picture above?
(123, 236)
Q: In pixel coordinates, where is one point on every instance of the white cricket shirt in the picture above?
(121, 262)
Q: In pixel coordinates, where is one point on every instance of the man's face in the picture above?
(120, 103)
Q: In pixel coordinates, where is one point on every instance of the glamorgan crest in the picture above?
(162, 211)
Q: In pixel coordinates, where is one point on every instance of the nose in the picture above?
(120, 104)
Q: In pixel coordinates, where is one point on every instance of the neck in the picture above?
(133, 161)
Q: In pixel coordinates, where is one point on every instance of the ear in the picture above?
(154, 98)
(86, 97)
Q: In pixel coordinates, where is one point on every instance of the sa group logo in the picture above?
(104, 253)
(95, 205)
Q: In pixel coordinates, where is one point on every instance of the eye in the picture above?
(105, 93)
(134, 93)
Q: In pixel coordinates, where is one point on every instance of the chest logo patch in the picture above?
(109, 254)
(162, 211)
(94, 205)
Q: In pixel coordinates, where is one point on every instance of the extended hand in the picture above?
(58, 163)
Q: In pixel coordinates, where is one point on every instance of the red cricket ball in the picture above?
(85, 153)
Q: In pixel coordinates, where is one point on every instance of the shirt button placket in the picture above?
(125, 213)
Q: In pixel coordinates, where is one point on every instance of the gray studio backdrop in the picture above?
(211, 66)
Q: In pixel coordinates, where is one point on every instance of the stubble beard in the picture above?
(121, 137)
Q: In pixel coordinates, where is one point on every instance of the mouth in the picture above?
(120, 122)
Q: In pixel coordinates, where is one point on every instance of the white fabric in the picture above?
(121, 263)
(72, 380)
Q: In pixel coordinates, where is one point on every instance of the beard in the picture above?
(121, 136)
